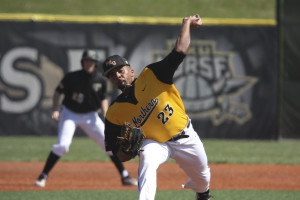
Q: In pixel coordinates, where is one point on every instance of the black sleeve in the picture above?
(164, 70)
(112, 131)
(61, 86)
(104, 88)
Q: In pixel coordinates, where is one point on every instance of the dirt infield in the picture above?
(20, 176)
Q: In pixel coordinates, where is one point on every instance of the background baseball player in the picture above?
(84, 93)
(152, 103)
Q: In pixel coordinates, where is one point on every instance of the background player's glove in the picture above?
(131, 139)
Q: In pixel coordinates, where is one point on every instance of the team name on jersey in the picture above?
(145, 113)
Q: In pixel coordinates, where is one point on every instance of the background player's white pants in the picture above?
(188, 152)
(90, 123)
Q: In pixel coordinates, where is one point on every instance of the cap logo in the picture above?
(111, 62)
(90, 53)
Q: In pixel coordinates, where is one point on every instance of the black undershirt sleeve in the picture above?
(112, 131)
(164, 70)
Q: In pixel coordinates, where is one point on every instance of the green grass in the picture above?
(161, 195)
(253, 151)
(218, 151)
(37, 149)
(255, 9)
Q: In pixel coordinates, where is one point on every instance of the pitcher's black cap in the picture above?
(112, 62)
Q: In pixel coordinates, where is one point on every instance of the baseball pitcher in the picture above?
(152, 105)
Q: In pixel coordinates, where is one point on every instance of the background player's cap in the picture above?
(89, 54)
(113, 62)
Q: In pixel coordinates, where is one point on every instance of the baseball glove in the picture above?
(131, 139)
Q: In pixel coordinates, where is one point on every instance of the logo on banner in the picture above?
(208, 84)
(29, 77)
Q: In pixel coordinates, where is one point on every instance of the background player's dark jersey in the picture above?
(83, 92)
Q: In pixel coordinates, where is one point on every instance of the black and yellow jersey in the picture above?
(153, 104)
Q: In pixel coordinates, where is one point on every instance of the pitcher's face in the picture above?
(121, 77)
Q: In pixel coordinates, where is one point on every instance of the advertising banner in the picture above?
(228, 81)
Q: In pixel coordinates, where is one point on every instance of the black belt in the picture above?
(181, 134)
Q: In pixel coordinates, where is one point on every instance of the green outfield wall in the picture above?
(229, 81)
(289, 19)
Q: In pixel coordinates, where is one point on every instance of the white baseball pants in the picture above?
(188, 152)
(90, 123)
